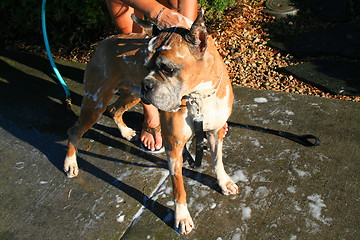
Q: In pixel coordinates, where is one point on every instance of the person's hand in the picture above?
(167, 18)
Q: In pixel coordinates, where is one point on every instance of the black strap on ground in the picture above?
(199, 143)
(307, 140)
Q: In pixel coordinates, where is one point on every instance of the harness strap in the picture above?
(307, 140)
(199, 136)
(199, 143)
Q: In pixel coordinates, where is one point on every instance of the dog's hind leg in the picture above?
(92, 109)
(215, 140)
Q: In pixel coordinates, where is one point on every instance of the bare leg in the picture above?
(150, 141)
(188, 8)
(225, 129)
(121, 15)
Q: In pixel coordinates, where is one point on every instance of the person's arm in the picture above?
(158, 13)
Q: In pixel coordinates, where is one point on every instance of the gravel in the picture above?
(242, 41)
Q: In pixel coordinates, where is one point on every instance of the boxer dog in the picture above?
(180, 72)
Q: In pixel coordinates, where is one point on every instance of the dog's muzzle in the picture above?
(162, 96)
(147, 86)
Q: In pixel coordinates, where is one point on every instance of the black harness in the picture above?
(199, 145)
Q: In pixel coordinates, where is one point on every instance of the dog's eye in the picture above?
(168, 71)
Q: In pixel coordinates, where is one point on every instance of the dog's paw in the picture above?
(183, 221)
(128, 133)
(229, 188)
(70, 166)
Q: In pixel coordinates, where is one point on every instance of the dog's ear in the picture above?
(149, 28)
(197, 37)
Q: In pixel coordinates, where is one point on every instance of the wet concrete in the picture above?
(330, 57)
(287, 190)
(339, 77)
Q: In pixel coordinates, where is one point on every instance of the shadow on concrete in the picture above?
(159, 162)
(29, 101)
(43, 65)
(324, 35)
(162, 212)
(32, 112)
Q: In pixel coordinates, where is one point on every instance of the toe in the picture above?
(71, 171)
(147, 140)
(70, 166)
(185, 227)
(158, 141)
(232, 188)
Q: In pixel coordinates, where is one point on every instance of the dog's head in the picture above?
(175, 60)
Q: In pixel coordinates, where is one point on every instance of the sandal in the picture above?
(152, 131)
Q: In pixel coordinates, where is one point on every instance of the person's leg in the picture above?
(121, 16)
(188, 8)
(152, 140)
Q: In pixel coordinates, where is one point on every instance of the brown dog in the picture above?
(182, 74)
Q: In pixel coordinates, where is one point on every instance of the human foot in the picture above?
(150, 135)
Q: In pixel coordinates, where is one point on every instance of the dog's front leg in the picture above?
(175, 134)
(215, 140)
(117, 109)
(183, 220)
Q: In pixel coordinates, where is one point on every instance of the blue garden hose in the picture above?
(47, 46)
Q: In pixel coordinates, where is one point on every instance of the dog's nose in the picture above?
(148, 84)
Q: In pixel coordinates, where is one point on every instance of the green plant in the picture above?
(69, 22)
(215, 8)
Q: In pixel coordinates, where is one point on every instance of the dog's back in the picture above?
(117, 58)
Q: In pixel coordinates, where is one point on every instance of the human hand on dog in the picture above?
(162, 16)
(167, 18)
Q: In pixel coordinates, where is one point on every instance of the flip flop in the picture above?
(152, 131)
(145, 149)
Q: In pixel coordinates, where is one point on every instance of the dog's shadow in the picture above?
(162, 212)
(109, 136)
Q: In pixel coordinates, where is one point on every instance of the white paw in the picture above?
(229, 187)
(127, 133)
(183, 221)
(70, 166)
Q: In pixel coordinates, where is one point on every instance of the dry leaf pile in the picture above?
(242, 42)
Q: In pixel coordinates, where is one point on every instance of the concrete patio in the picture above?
(287, 190)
